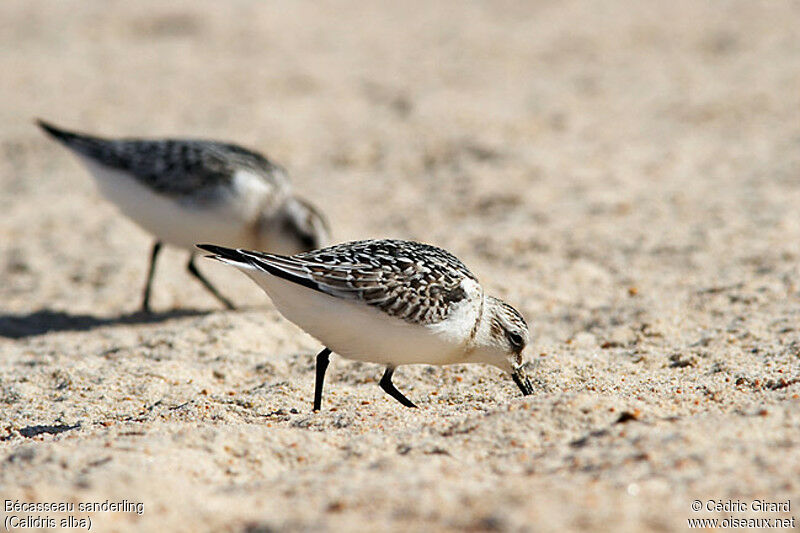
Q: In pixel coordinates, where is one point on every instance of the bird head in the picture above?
(296, 226)
(501, 337)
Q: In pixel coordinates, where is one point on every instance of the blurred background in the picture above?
(626, 173)
(538, 135)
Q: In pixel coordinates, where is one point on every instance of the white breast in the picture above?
(363, 333)
(181, 222)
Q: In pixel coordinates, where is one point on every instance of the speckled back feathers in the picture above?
(173, 167)
(415, 282)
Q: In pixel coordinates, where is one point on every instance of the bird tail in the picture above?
(280, 266)
(85, 144)
(230, 256)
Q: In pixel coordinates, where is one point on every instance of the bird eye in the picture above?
(515, 339)
(308, 241)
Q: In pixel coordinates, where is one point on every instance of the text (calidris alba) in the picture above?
(389, 302)
(187, 191)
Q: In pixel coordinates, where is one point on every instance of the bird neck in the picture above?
(478, 329)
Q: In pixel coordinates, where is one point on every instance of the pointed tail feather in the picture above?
(256, 261)
(226, 255)
(233, 256)
(57, 133)
(88, 145)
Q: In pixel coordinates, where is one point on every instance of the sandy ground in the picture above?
(625, 173)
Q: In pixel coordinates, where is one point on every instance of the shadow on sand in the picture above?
(46, 321)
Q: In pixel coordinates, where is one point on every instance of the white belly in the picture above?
(360, 332)
(180, 222)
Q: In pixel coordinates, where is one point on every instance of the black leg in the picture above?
(150, 271)
(207, 284)
(388, 386)
(323, 358)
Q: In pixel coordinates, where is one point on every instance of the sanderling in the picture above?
(389, 302)
(187, 191)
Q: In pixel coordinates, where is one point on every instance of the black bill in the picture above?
(522, 381)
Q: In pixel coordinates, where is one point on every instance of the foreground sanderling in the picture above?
(389, 302)
(189, 191)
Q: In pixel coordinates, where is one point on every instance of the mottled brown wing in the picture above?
(174, 167)
(412, 291)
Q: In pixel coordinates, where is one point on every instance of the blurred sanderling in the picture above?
(389, 302)
(188, 191)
